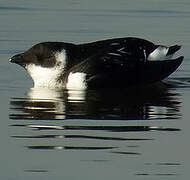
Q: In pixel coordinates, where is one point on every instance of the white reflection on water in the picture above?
(140, 103)
(118, 122)
(47, 101)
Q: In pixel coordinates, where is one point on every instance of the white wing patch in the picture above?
(76, 81)
(159, 53)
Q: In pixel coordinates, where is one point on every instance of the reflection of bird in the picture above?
(109, 63)
(148, 102)
(40, 103)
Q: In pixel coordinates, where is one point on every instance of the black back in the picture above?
(120, 62)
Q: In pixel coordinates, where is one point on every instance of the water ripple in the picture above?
(132, 104)
(113, 122)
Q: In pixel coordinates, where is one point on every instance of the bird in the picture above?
(111, 63)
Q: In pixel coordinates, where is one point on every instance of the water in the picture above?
(116, 134)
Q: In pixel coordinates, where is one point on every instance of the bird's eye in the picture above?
(46, 61)
(43, 59)
(48, 57)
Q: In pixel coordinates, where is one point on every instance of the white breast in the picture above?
(44, 77)
(48, 76)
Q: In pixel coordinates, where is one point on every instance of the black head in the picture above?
(42, 54)
(45, 63)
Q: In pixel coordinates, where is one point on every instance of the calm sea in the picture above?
(114, 134)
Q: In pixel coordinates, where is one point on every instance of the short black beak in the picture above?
(17, 59)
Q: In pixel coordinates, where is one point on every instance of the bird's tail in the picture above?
(173, 49)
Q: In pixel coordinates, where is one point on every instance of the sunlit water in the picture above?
(134, 133)
(104, 124)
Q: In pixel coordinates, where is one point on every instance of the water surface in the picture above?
(135, 133)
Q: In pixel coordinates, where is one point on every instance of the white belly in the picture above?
(76, 81)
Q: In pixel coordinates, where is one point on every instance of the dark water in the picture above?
(134, 133)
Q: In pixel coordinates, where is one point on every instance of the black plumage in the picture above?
(120, 62)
